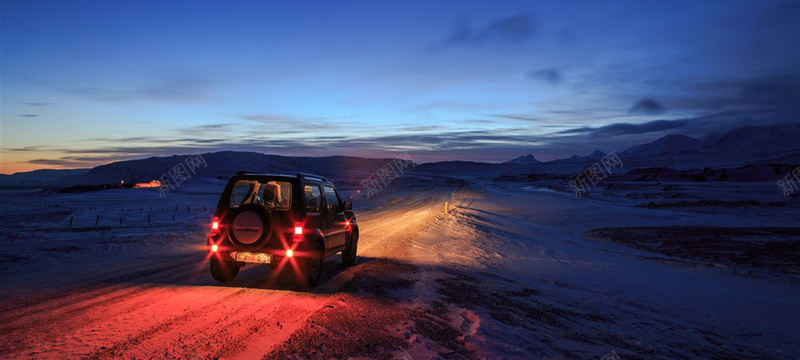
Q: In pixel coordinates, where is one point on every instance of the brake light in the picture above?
(289, 253)
(298, 230)
(214, 248)
(215, 226)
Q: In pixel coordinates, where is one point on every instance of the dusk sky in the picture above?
(90, 82)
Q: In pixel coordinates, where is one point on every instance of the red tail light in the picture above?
(215, 226)
(289, 253)
(214, 248)
(298, 232)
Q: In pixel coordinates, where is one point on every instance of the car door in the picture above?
(335, 233)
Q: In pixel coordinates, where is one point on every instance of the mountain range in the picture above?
(749, 145)
(739, 147)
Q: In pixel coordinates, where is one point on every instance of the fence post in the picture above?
(187, 208)
(70, 221)
(148, 219)
(120, 221)
(173, 218)
(96, 221)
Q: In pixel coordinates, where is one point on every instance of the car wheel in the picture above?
(349, 254)
(313, 264)
(224, 271)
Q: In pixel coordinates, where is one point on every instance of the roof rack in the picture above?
(245, 172)
(307, 175)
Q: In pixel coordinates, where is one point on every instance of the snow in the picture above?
(508, 272)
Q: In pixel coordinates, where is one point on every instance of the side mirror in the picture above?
(348, 206)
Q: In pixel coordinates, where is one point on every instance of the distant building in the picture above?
(152, 184)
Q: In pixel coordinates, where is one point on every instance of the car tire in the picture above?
(312, 269)
(223, 271)
(349, 254)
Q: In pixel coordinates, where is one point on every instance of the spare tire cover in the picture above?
(249, 226)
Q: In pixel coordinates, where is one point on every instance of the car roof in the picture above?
(299, 176)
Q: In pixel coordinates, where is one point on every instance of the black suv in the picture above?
(288, 222)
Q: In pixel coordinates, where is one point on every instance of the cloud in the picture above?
(647, 106)
(56, 162)
(627, 128)
(39, 104)
(291, 124)
(208, 129)
(513, 29)
(265, 118)
(432, 143)
(81, 162)
(26, 148)
(422, 128)
(29, 115)
(761, 92)
(775, 91)
(170, 88)
(551, 76)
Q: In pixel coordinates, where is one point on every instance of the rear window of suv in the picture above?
(276, 195)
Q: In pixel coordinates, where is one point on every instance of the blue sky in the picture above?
(89, 82)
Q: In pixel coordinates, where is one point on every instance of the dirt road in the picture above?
(170, 308)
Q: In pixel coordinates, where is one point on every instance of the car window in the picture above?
(276, 195)
(332, 199)
(239, 193)
(313, 198)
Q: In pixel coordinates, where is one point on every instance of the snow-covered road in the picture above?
(506, 273)
(110, 304)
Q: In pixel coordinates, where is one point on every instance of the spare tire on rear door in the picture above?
(249, 226)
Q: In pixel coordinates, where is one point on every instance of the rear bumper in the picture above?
(266, 256)
(252, 257)
(274, 252)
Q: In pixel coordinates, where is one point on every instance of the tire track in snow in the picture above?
(68, 300)
(121, 348)
(76, 294)
(133, 311)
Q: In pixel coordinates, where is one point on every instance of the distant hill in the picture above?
(523, 160)
(742, 146)
(227, 163)
(755, 138)
(50, 173)
(39, 178)
(597, 155)
(218, 165)
(772, 144)
(664, 145)
(744, 140)
(749, 145)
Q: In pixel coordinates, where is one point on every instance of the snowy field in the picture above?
(646, 270)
